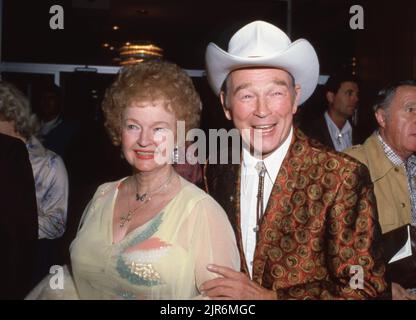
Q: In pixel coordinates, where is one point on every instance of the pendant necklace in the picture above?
(143, 198)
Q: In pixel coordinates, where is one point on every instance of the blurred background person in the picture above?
(334, 128)
(389, 154)
(50, 176)
(56, 132)
(18, 218)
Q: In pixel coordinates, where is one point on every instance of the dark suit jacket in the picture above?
(320, 220)
(18, 219)
(59, 139)
(318, 129)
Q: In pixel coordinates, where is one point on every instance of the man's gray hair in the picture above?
(386, 95)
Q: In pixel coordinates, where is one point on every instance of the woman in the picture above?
(150, 235)
(51, 180)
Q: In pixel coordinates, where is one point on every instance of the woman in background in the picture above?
(49, 172)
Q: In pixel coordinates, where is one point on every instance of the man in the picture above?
(319, 222)
(333, 127)
(18, 219)
(389, 154)
(56, 133)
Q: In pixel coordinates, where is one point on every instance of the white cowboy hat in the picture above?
(262, 44)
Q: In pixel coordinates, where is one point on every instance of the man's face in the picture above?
(398, 123)
(49, 105)
(261, 101)
(345, 100)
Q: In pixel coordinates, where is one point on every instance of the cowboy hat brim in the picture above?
(299, 59)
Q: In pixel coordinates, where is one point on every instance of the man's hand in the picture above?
(400, 293)
(234, 285)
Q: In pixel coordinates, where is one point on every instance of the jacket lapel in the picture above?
(374, 151)
(326, 136)
(237, 218)
(223, 184)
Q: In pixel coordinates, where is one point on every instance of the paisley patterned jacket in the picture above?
(320, 230)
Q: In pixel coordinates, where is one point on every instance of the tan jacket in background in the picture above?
(390, 183)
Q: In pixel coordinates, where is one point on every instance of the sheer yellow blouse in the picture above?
(165, 258)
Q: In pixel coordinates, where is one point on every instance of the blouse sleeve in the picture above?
(54, 203)
(210, 237)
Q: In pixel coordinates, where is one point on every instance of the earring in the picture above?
(175, 155)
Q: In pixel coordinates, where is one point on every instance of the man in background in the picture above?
(389, 154)
(333, 128)
(56, 132)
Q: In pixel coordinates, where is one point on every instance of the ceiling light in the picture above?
(139, 51)
(142, 11)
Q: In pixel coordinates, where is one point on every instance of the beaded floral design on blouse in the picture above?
(136, 264)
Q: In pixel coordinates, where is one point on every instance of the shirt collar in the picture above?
(272, 163)
(51, 124)
(35, 148)
(393, 157)
(346, 128)
(390, 154)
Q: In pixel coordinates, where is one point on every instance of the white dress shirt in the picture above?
(46, 127)
(341, 139)
(249, 187)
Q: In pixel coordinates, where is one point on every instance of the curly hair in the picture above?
(148, 82)
(14, 106)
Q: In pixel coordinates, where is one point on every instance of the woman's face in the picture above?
(148, 134)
